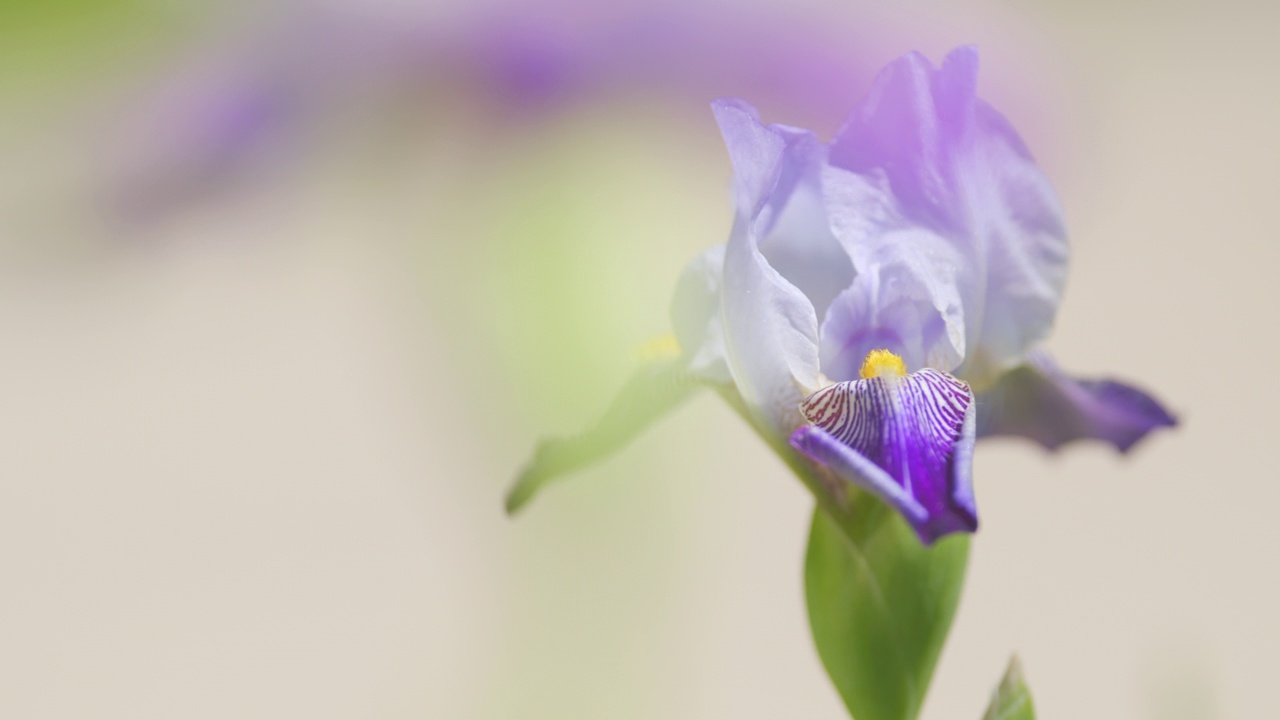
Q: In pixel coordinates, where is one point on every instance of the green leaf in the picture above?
(653, 391)
(880, 605)
(1012, 700)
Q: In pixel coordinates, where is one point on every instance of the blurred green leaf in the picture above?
(880, 605)
(653, 391)
(1012, 700)
(56, 42)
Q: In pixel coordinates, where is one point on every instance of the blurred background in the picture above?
(288, 291)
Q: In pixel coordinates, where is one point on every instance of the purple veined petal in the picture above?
(907, 439)
(696, 317)
(854, 467)
(1040, 402)
(952, 166)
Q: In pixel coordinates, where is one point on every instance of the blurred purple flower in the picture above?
(554, 54)
(194, 136)
(212, 118)
(915, 260)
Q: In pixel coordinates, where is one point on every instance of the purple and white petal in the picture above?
(770, 334)
(934, 156)
(756, 151)
(770, 327)
(1040, 402)
(909, 439)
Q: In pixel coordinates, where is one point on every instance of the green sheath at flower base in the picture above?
(880, 605)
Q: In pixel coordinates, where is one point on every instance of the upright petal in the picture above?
(897, 132)
(905, 297)
(755, 150)
(908, 439)
(949, 165)
(796, 237)
(770, 326)
(770, 333)
(1038, 401)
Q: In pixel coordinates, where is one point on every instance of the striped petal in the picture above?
(908, 439)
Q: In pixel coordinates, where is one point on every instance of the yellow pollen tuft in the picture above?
(882, 363)
(665, 347)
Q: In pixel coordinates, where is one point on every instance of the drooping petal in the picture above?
(1038, 401)
(654, 390)
(934, 157)
(907, 439)
(770, 326)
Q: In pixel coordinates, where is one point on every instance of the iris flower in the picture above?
(879, 304)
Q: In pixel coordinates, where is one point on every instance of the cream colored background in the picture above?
(253, 454)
